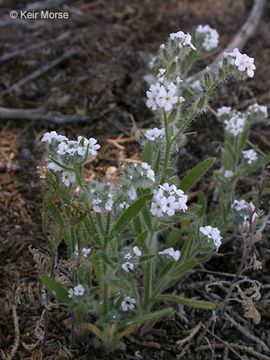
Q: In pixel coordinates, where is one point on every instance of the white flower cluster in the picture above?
(250, 155)
(182, 39)
(245, 207)
(153, 134)
(98, 204)
(136, 252)
(211, 36)
(128, 303)
(147, 171)
(224, 110)
(256, 108)
(235, 125)
(228, 174)
(66, 150)
(78, 290)
(175, 254)
(84, 252)
(242, 61)
(212, 234)
(167, 200)
(160, 97)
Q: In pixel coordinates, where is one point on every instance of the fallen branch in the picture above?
(16, 336)
(11, 55)
(35, 115)
(39, 72)
(247, 333)
(240, 39)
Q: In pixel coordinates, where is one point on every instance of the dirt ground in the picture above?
(104, 79)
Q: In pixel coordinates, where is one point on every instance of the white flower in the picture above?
(76, 250)
(48, 136)
(170, 251)
(68, 178)
(132, 194)
(124, 205)
(81, 150)
(153, 134)
(82, 141)
(250, 155)
(156, 208)
(224, 110)
(127, 256)
(235, 125)
(54, 167)
(70, 293)
(183, 39)
(62, 148)
(79, 290)
(213, 234)
(97, 208)
(127, 266)
(228, 174)
(128, 303)
(196, 85)
(108, 205)
(85, 252)
(169, 205)
(153, 96)
(167, 99)
(137, 251)
(211, 37)
(93, 146)
(149, 172)
(242, 61)
(258, 108)
(239, 205)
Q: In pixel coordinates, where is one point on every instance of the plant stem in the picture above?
(168, 148)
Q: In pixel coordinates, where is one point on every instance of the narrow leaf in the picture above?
(194, 175)
(199, 304)
(56, 214)
(55, 287)
(147, 153)
(153, 316)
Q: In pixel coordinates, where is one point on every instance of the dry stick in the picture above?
(236, 346)
(35, 115)
(32, 47)
(39, 72)
(17, 334)
(240, 39)
(247, 333)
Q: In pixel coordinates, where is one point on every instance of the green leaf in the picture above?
(147, 153)
(173, 237)
(256, 165)
(193, 176)
(55, 287)
(121, 284)
(243, 139)
(153, 316)
(203, 203)
(137, 225)
(130, 213)
(230, 152)
(146, 258)
(188, 302)
(157, 161)
(56, 214)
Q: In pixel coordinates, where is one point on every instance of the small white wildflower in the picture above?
(211, 37)
(156, 208)
(239, 205)
(79, 290)
(228, 174)
(167, 99)
(93, 146)
(70, 293)
(123, 205)
(224, 110)
(213, 234)
(171, 252)
(128, 256)
(169, 205)
(96, 206)
(68, 178)
(250, 155)
(153, 134)
(132, 194)
(153, 96)
(48, 136)
(137, 251)
(76, 250)
(242, 61)
(108, 205)
(128, 303)
(85, 252)
(258, 108)
(62, 148)
(127, 266)
(183, 39)
(235, 125)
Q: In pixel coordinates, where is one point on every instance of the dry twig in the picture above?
(16, 336)
(39, 72)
